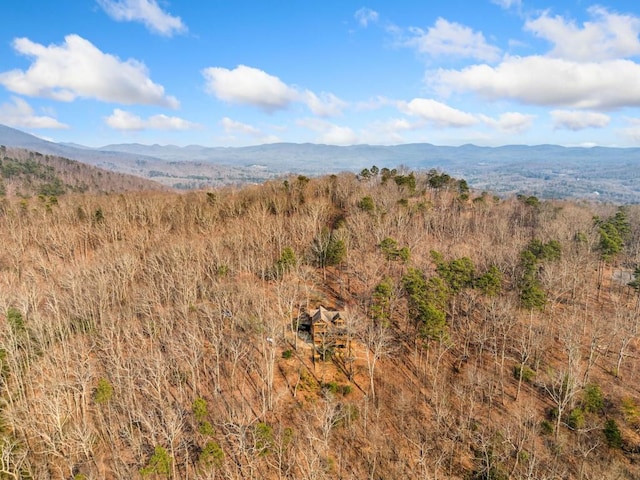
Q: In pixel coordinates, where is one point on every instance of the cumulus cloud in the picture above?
(329, 133)
(249, 86)
(540, 80)
(396, 125)
(607, 36)
(510, 122)
(364, 16)
(437, 113)
(78, 69)
(578, 120)
(147, 12)
(123, 120)
(234, 127)
(325, 105)
(18, 113)
(588, 67)
(252, 86)
(452, 39)
(389, 131)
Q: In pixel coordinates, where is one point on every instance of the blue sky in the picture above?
(241, 72)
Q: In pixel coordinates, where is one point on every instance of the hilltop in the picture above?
(26, 173)
(158, 335)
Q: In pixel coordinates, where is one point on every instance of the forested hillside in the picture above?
(158, 335)
(26, 173)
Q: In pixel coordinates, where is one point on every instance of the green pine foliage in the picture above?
(614, 231)
(612, 434)
(427, 303)
(490, 283)
(159, 463)
(532, 295)
(458, 273)
(367, 204)
(393, 251)
(381, 300)
(211, 455)
(329, 249)
(592, 399)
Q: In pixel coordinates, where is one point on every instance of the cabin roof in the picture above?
(324, 315)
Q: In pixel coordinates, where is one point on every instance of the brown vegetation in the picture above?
(155, 334)
(25, 173)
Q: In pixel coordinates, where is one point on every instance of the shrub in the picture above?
(525, 371)
(576, 419)
(200, 412)
(287, 354)
(630, 411)
(103, 392)
(159, 463)
(612, 434)
(337, 388)
(15, 320)
(366, 204)
(264, 438)
(211, 454)
(593, 400)
(546, 427)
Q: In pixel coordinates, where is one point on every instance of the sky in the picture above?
(340, 72)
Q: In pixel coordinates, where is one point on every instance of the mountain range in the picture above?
(548, 171)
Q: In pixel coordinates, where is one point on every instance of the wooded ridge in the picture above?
(163, 335)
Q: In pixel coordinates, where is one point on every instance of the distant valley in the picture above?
(547, 171)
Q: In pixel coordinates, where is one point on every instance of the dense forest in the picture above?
(160, 335)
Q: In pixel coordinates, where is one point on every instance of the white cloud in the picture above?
(147, 12)
(364, 16)
(540, 80)
(375, 103)
(78, 69)
(252, 86)
(20, 114)
(395, 125)
(326, 105)
(452, 39)
(510, 122)
(507, 4)
(389, 131)
(123, 120)
(607, 36)
(330, 133)
(437, 113)
(441, 115)
(249, 86)
(232, 126)
(578, 120)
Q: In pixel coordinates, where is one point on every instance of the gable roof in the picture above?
(324, 315)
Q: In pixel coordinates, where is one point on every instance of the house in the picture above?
(328, 328)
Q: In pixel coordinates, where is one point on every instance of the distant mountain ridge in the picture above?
(548, 171)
